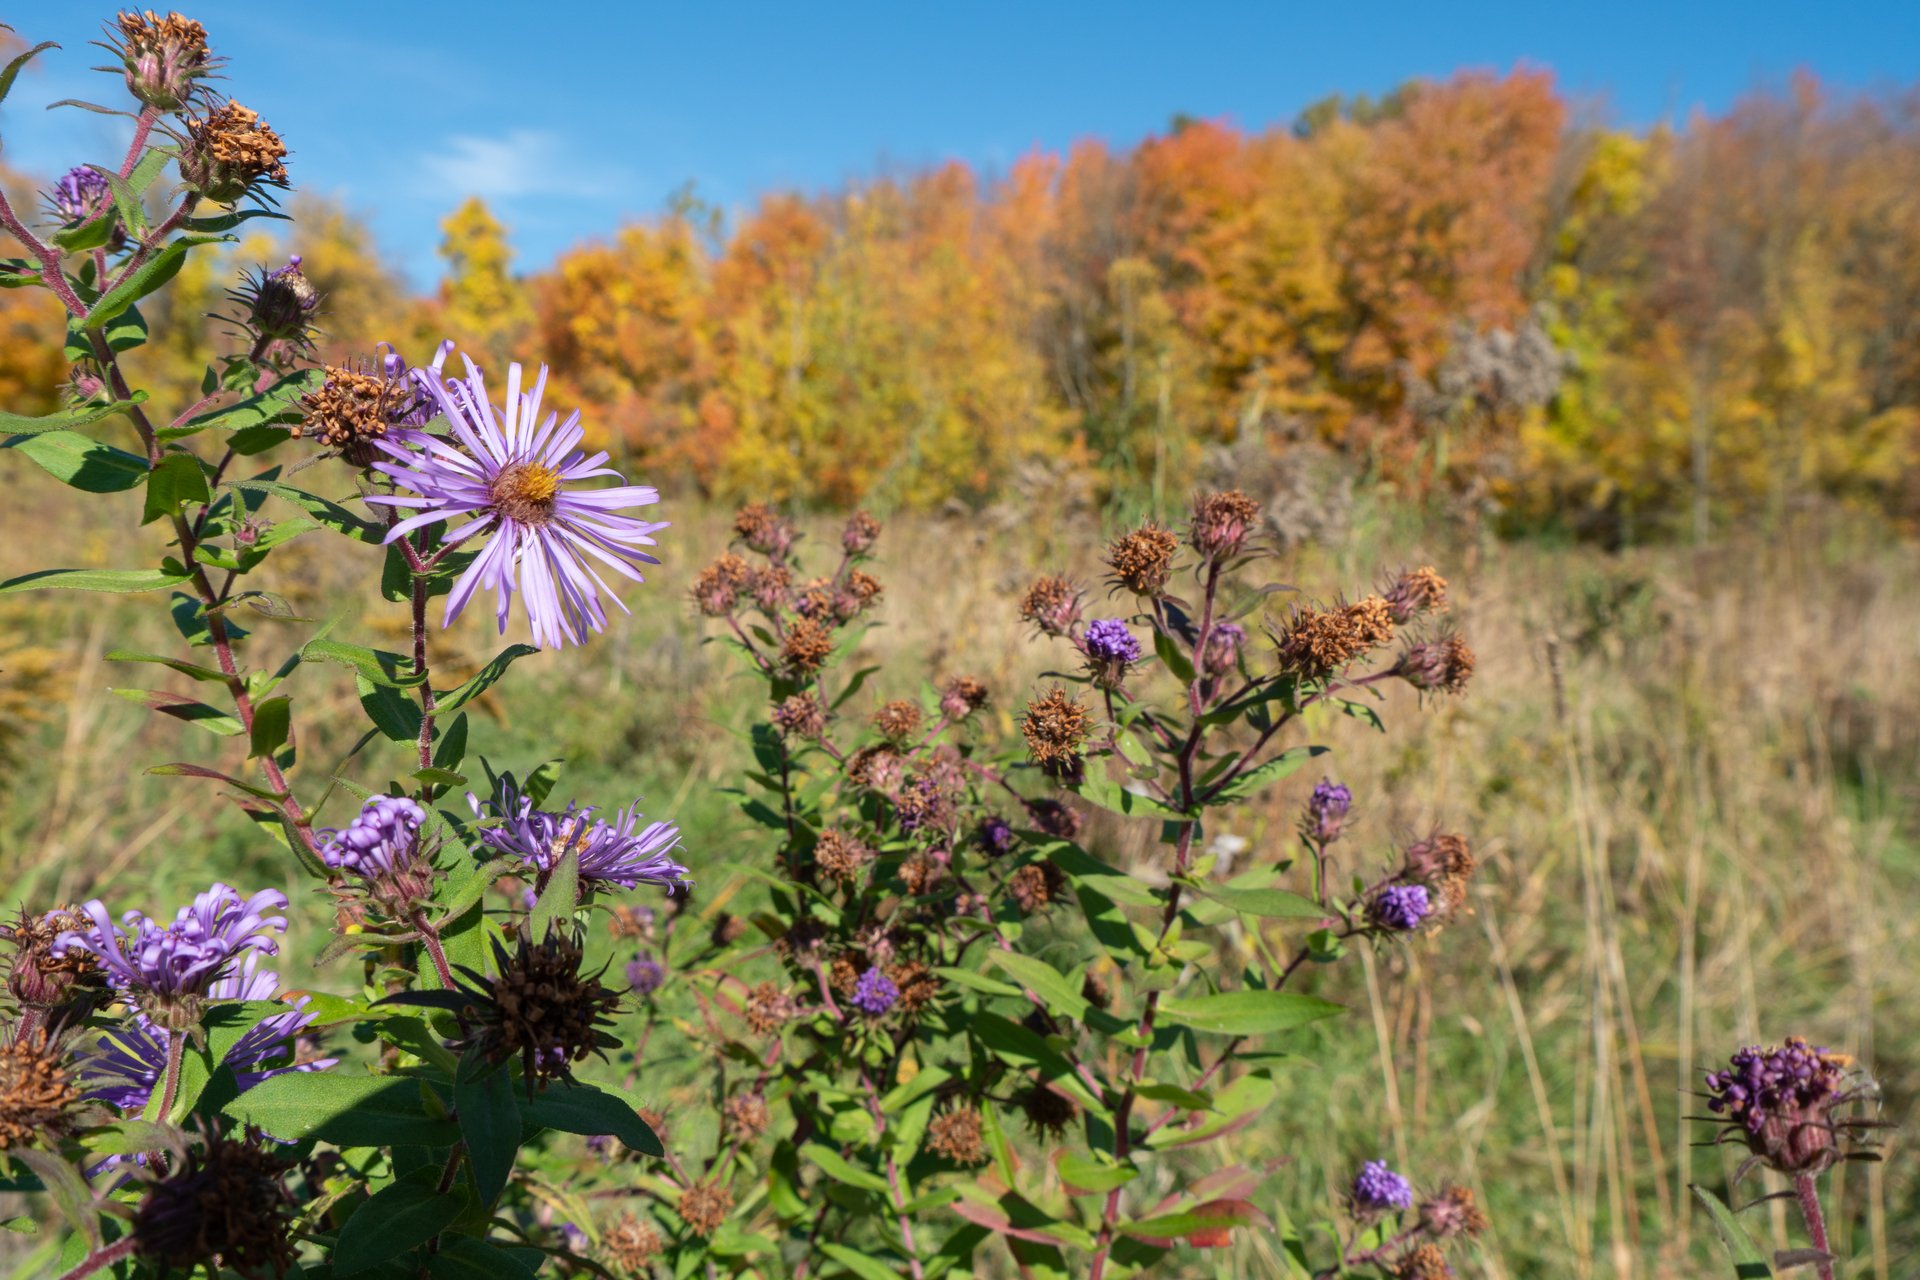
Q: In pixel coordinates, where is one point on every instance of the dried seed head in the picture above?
(1221, 522)
(630, 1245)
(962, 696)
(1048, 1113)
(879, 767)
(1416, 592)
(1453, 1212)
(801, 715)
(843, 974)
(354, 406)
(229, 152)
(705, 1205)
(37, 977)
(1319, 642)
(858, 537)
(806, 647)
(718, 587)
(746, 1117)
(728, 929)
(921, 872)
(757, 525)
(541, 1008)
(897, 719)
(1423, 1262)
(959, 1136)
(864, 588)
(840, 855)
(1438, 666)
(221, 1199)
(1052, 603)
(163, 58)
(1444, 864)
(1056, 727)
(1142, 561)
(1056, 818)
(1036, 886)
(918, 985)
(771, 588)
(816, 599)
(1093, 989)
(38, 1090)
(768, 1007)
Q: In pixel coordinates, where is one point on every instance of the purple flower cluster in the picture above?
(383, 838)
(1327, 811)
(80, 194)
(1108, 640)
(141, 957)
(996, 836)
(875, 993)
(1377, 1188)
(1784, 1099)
(1401, 907)
(645, 975)
(620, 852)
(508, 471)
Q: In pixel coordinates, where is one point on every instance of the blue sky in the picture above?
(571, 117)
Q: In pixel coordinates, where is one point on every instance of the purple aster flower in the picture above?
(875, 993)
(645, 974)
(996, 836)
(80, 194)
(1787, 1103)
(507, 471)
(1327, 809)
(133, 1056)
(1223, 648)
(168, 970)
(1400, 907)
(383, 838)
(620, 852)
(1110, 650)
(574, 1238)
(1376, 1188)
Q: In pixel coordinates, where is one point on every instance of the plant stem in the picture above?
(1809, 1196)
(430, 939)
(427, 704)
(170, 1082)
(105, 1256)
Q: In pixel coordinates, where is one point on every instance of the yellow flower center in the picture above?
(525, 491)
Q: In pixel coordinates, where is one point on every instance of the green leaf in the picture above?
(1207, 1220)
(178, 479)
(12, 69)
(1275, 904)
(397, 1219)
(14, 424)
(554, 909)
(376, 666)
(115, 580)
(346, 1110)
(150, 275)
(392, 712)
(1168, 651)
(199, 714)
(279, 403)
(483, 680)
(123, 333)
(1263, 774)
(1089, 1174)
(465, 1258)
(489, 1121)
(1021, 1047)
(840, 1169)
(272, 726)
(591, 1112)
(860, 1264)
(126, 198)
(1083, 868)
(1062, 995)
(1114, 798)
(325, 510)
(1247, 1013)
(1748, 1262)
(81, 461)
(977, 982)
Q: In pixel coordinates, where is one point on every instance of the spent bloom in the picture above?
(38, 1090)
(230, 152)
(1327, 810)
(1223, 648)
(1051, 603)
(541, 1008)
(1377, 1188)
(168, 970)
(161, 57)
(1142, 561)
(1221, 522)
(508, 473)
(365, 401)
(620, 852)
(1786, 1103)
(278, 305)
(875, 993)
(1437, 666)
(1400, 907)
(223, 1199)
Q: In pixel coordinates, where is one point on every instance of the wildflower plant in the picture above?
(177, 1083)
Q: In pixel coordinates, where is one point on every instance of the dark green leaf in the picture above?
(591, 1112)
(1247, 1013)
(1262, 774)
(81, 461)
(1748, 1262)
(554, 909)
(199, 714)
(179, 479)
(1062, 995)
(489, 1121)
(278, 404)
(376, 666)
(465, 1258)
(12, 69)
(327, 512)
(346, 1110)
(272, 726)
(397, 1219)
(1276, 904)
(144, 279)
(840, 1169)
(1167, 649)
(484, 679)
(115, 580)
(67, 419)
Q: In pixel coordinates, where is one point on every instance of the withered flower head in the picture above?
(1422, 1262)
(1416, 592)
(705, 1205)
(1791, 1106)
(1055, 818)
(728, 929)
(918, 985)
(1048, 1113)
(806, 647)
(1052, 603)
(840, 855)
(771, 588)
(356, 405)
(958, 1135)
(815, 599)
(229, 152)
(858, 537)
(162, 57)
(630, 1244)
(962, 696)
(1318, 642)
(767, 1008)
(920, 872)
(37, 977)
(801, 715)
(1221, 522)
(1036, 886)
(1142, 561)
(221, 1199)
(746, 1117)
(1453, 1212)
(541, 1009)
(897, 719)
(879, 767)
(278, 306)
(1437, 666)
(1056, 727)
(38, 1090)
(864, 589)
(1093, 989)
(1444, 864)
(718, 587)
(757, 525)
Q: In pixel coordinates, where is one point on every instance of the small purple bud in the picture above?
(1377, 1188)
(1223, 648)
(1327, 810)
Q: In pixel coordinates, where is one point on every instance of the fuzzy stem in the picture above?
(1809, 1196)
(105, 1256)
(170, 1082)
(430, 939)
(427, 703)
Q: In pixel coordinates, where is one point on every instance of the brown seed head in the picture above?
(1221, 522)
(771, 588)
(864, 588)
(840, 855)
(962, 696)
(163, 57)
(757, 525)
(1048, 1113)
(959, 1136)
(879, 767)
(1416, 592)
(1142, 561)
(858, 537)
(807, 646)
(353, 407)
(1453, 1212)
(38, 1090)
(897, 719)
(1319, 642)
(39, 979)
(230, 151)
(767, 1008)
(1052, 603)
(1036, 886)
(222, 1199)
(630, 1244)
(920, 872)
(705, 1205)
(1423, 1262)
(1437, 666)
(1443, 863)
(918, 985)
(746, 1116)
(801, 715)
(1056, 727)
(718, 587)
(1056, 818)
(541, 1008)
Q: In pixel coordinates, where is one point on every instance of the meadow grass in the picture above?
(1689, 775)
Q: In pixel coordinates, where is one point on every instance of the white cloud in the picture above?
(520, 162)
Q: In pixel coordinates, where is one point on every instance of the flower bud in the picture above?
(962, 696)
(1399, 908)
(1437, 666)
(81, 194)
(860, 533)
(1222, 653)
(1327, 809)
(278, 305)
(1788, 1105)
